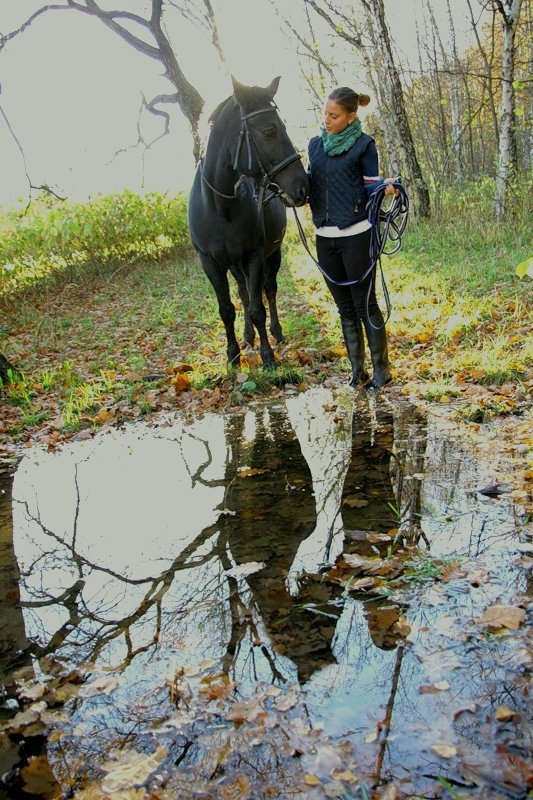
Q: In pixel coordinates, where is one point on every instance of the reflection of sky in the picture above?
(145, 493)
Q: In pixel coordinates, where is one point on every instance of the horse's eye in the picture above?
(269, 133)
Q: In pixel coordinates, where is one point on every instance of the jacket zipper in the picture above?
(327, 188)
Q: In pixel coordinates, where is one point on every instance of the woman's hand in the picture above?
(390, 190)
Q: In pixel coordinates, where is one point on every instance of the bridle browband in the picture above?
(268, 170)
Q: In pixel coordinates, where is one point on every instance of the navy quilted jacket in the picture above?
(337, 189)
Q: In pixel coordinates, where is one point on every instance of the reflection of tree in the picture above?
(13, 644)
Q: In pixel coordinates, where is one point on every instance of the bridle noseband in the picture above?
(268, 189)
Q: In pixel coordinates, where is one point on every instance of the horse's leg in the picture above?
(226, 309)
(249, 332)
(272, 265)
(254, 282)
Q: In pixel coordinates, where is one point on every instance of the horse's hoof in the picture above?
(277, 333)
(376, 383)
(358, 378)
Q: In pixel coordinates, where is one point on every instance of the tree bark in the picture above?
(507, 162)
(377, 12)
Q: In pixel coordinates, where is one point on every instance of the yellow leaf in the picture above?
(444, 750)
(311, 780)
(504, 714)
(345, 775)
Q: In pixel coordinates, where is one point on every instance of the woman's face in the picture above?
(336, 118)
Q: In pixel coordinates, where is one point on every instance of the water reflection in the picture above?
(147, 551)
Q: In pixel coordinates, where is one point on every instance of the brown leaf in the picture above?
(502, 616)
(39, 779)
(180, 382)
(247, 473)
(355, 502)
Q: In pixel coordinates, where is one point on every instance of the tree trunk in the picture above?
(377, 11)
(507, 149)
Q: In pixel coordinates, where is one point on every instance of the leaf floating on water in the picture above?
(311, 780)
(103, 685)
(39, 779)
(444, 750)
(355, 502)
(134, 770)
(238, 789)
(504, 714)
(434, 688)
(286, 701)
(344, 775)
(503, 616)
(241, 570)
(248, 473)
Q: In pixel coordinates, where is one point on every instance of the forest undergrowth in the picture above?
(101, 341)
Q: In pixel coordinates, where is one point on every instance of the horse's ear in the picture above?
(239, 90)
(273, 88)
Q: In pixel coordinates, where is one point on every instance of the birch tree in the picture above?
(509, 13)
(382, 74)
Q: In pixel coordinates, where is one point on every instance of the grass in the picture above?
(460, 323)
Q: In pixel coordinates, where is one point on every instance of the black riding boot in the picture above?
(377, 342)
(352, 330)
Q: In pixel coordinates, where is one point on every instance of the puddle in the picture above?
(283, 603)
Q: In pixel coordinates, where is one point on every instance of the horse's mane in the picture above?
(216, 113)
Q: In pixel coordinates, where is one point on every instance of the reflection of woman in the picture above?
(368, 504)
(368, 499)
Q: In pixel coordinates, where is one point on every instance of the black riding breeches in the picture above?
(347, 258)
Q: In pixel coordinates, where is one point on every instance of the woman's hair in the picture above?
(348, 99)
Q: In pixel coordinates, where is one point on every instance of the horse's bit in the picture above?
(268, 171)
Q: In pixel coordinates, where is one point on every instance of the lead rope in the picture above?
(389, 224)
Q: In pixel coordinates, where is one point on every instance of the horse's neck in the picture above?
(218, 169)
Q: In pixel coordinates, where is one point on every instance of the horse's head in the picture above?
(264, 150)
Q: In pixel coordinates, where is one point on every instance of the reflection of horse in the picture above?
(236, 217)
(275, 510)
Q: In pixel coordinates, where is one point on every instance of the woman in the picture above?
(344, 171)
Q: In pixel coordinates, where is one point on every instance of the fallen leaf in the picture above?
(344, 775)
(355, 502)
(502, 616)
(311, 780)
(39, 779)
(247, 473)
(503, 714)
(134, 770)
(444, 750)
(241, 570)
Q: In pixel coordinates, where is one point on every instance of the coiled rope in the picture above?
(387, 225)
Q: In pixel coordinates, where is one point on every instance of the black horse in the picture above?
(236, 212)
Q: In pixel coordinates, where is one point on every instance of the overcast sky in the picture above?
(72, 91)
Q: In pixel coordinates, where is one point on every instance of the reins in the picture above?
(385, 225)
(268, 171)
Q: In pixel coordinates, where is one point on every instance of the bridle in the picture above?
(268, 189)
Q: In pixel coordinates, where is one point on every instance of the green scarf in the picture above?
(335, 143)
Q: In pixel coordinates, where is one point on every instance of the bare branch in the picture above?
(5, 38)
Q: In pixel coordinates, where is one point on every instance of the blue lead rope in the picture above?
(386, 225)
